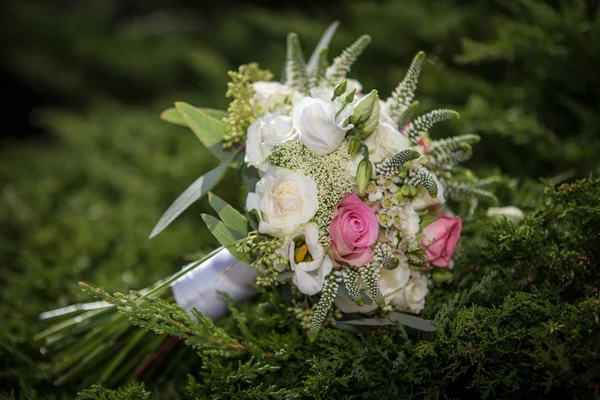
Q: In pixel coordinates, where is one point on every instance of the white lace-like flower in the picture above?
(321, 128)
(265, 133)
(308, 261)
(285, 200)
(274, 97)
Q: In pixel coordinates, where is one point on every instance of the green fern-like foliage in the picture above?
(392, 165)
(422, 177)
(330, 288)
(322, 63)
(460, 191)
(402, 97)
(415, 129)
(295, 66)
(341, 65)
(370, 276)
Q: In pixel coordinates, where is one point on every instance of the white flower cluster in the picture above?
(300, 146)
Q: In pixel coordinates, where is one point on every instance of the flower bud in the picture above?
(364, 172)
(339, 89)
(355, 145)
(366, 114)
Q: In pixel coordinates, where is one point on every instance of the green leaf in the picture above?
(412, 321)
(209, 129)
(284, 275)
(221, 233)
(173, 115)
(195, 191)
(311, 66)
(231, 217)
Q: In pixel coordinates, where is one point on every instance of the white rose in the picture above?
(285, 200)
(320, 128)
(265, 133)
(386, 142)
(423, 200)
(308, 261)
(391, 282)
(273, 96)
(412, 296)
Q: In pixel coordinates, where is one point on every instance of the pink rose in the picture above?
(439, 239)
(354, 229)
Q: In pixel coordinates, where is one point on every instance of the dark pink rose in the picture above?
(439, 239)
(354, 229)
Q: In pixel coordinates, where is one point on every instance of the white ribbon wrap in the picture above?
(200, 287)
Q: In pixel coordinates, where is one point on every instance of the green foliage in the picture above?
(129, 392)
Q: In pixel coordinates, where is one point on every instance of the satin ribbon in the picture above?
(200, 287)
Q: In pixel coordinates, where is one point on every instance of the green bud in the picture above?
(398, 196)
(403, 173)
(442, 275)
(350, 96)
(355, 145)
(364, 172)
(366, 114)
(339, 89)
(414, 190)
(405, 190)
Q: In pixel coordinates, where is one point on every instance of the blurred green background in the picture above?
(87, 167)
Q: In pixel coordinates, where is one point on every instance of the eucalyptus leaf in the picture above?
(210, 130)
(284, 275)
(311, 66)
(412, 321)
(368, 322)
(231, 217)
(194, 192)
(221, 233)
(173, 115)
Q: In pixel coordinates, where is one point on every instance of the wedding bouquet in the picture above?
(346, 206)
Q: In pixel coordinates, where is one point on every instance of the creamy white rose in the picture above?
(285, 200)
(321, 128)
(392, 282)
(265, 133)
(386, 142)
(308, 261)
(273, 96)
(412, 296)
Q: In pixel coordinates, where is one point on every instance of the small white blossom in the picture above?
(265, 133)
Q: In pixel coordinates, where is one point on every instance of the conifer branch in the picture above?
(341, 65)
(403, 95)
